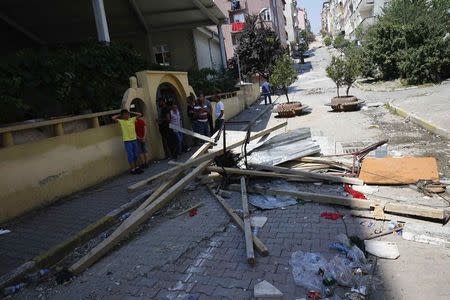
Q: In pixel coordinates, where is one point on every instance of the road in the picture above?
(204, 256)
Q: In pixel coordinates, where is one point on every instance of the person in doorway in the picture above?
(141, 132)
(201, 125)
(210, 118)
(175, 119)
(127, 125)
(167, 134)
(220, 113)
(265, 89)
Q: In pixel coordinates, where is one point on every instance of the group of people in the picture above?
(134, 128)
(200, 114)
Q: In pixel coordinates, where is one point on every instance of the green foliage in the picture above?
(39, 84)
(343, 71)
(283, 74)
(258, 48)
(407, 41)
(211, 81)
(327, 41)
(303, 44)
(340, 42)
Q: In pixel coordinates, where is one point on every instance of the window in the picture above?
(162, 55)
(239, 18)
(266, 15)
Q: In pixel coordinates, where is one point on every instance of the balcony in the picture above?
(238, 6)
(237, 26)
(365, 6)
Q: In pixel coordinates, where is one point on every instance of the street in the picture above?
(204, 256)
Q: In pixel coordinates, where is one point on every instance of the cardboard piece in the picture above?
(398, 170)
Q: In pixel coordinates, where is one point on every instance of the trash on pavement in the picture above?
(331, 216)
(13, 289)
(264, 289)
(382, 249)
(271, 202)
(4, 231)
(351, 191)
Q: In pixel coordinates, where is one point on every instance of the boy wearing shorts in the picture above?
(141, 132)
(127, 125)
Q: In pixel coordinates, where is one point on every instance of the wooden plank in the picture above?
(398, 170)
(143, 183)
(259, 245)
(307, 174)
(319, 198)
(134, 220)
(247, 227)
(322, 160)
(259, 174)
(389, 207)
(193, 134)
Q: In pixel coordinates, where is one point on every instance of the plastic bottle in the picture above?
(381, 151)
(13, 289)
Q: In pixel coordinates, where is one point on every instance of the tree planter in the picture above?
(289, 110)
(345, 103)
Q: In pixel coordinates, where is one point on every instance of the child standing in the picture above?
(141, 132)
(127, 125)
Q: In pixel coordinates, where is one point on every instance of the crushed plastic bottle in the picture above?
(13, 289)
(392, 224)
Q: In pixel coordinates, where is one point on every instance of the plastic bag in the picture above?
(357, 257)
(305, 269)
(339, 269)
(369, 282)
(342, 238)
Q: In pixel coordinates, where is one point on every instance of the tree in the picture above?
(407, 41)
(303, 44)
(283, 74)
(335, 70)
(327, 41)
(340, 42)
(258, 48)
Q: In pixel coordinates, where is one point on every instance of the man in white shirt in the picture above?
(220, 110)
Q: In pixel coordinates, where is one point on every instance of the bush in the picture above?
(40, 84)
(407, 41)
(327, 41)
(211, 81)
(340, 42)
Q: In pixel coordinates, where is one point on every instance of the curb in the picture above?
(58, 252)
(419, 121)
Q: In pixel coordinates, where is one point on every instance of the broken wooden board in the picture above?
(259, 245)
(134, 220)
(193, 134)
(143, 183)
(254, 173)
(398, 170)
(322, 177)
(247, 226)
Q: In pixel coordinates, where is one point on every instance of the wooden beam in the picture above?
(319, 198)
(322, 177)
(259, 245)
(247, 227)
(194, 134)
(147, 181)
(254, 173)
(134, 220)
(390, 207)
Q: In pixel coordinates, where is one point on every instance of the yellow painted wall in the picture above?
(37, 173)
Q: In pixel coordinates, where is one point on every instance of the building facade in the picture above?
(345, 16)
(270, 11)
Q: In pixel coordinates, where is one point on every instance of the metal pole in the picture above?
(100, 21)
(239, 68)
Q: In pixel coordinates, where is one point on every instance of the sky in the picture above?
(313, 8)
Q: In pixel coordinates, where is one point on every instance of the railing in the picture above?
(223, 96)
(238, 5)
(57, 124)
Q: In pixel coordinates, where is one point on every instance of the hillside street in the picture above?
(204, 255)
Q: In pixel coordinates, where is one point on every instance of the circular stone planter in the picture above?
(345, 103)
(288, 110)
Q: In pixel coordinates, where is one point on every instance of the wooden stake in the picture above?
(193, 134)
(133, 221)
(260, 247)
(143, 183)
(322, 177)
(259, 173)
(247, 227)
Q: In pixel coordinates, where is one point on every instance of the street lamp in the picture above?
(237, 42)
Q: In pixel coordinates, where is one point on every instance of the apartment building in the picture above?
(345, 16)
(271, 12)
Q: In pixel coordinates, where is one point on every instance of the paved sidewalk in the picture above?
(39, 231)
(429, 110)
